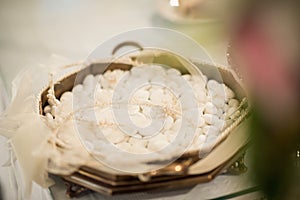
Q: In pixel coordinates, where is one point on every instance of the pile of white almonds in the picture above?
(151, 99)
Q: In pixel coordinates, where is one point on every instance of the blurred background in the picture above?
(33, 30)
(264, 47)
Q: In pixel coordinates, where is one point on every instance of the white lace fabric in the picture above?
(26, 130)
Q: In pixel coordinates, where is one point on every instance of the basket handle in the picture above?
(127, 43)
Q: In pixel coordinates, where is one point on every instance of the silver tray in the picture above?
(107, 181)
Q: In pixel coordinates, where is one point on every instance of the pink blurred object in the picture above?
(266, 68)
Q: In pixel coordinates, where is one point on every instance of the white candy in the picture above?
(104, 97)
(47, 109)
(140, 120)
(133, 109)
(210, 108)
(147, 86)
(187, 77)
(158, 79)
(149, 131)
(88, 81)
(97, 77)
(218, 102)
(53, 110)
(158, 137)
(51, 102)
(104, 116)
(146, 109)
(112, 77)
(77, 89)
(201, 121)
(229, 93)
(171, 135)
(173, 86)
(228, 122)
(98, 144)
(205, 148)
(89, 145)
(177, 125)
(185, 143)
(107, 131)
(119, 74)
(220, 113)
(66, 96)
(233, 103)
(49, 116)
(167, 98)
(210, 119)
(103, 82)
(157, 69)
(199, 131)
(201, 96)
(137, 141)
(100, 136)
(211, 139)
(231, 110)
(235, 115)
(220, 124)
(201, 139)
(173, 71)
(124, 146)
(138, 150)
(198, 142)
(155, 94)
(168, 123)
(157, 145)
(57, 102)
(210, 130)
(212, 84)
(188, 102)
(115, 137)
(141, 94)
(137, 71)
(199, 83)
(215, 89)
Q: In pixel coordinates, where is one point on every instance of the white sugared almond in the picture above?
(158, 98)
